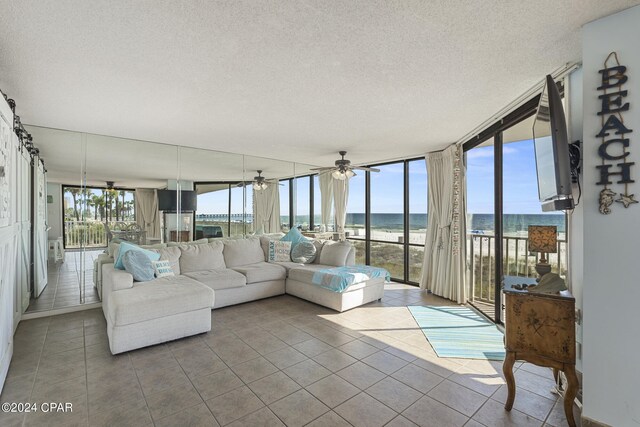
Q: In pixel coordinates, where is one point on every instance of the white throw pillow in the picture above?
(163, 268)
(279, 251)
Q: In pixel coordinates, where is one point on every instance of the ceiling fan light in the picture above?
(256, 186)
(263, 185)
(349, 173)
(336, 174)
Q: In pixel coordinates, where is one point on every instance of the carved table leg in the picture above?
(507, 368)
(570, 393)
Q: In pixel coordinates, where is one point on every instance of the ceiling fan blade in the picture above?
(322, 169)
(362, 168)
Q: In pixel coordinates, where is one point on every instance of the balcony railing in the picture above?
(517, 261)
(89, 234)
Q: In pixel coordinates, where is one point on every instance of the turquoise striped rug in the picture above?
(459, 332)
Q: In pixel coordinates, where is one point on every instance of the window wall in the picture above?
(302, 202)
(285, 218)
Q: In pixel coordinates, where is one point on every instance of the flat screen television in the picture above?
(551, 146)
(168, 201)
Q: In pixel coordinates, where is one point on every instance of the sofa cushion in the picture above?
(125, 247)
(193, 242)
(205, 256)
(139, 265)
(171, 254)
(162, 268)
(242, 252)
(305, 272)
(261, 272)
(304, 252)
(294, 236)
(288, 265)
(219, 279)
(158, 298)
(319, 244)
(335, 254)
(279, 251)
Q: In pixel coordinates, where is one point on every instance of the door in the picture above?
(39, 229)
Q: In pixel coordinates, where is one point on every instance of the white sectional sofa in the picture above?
(216, 274)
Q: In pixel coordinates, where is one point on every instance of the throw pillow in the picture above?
(138, 265)
(294, 236)
(335, 254)
(126, 247)
(163, 268)
(279, 251)
(304, 252)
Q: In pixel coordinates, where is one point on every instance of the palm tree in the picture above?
(74, 195)
(97, 202)
(122, 205)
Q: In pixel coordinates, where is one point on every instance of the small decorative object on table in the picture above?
(543, 239)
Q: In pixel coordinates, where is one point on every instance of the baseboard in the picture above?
(55, 312)
(588, 422)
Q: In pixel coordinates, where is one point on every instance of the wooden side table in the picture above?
(540, 329)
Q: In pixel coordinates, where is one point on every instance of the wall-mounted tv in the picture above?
(168, 201)
(551, 146)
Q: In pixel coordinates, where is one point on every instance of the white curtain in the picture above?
(147, 214)
(444, 268)
(266, 209)
(326, 198)
(340, 198)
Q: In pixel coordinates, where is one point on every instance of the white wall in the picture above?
(54, 210)
(611, 273)
(576, 225)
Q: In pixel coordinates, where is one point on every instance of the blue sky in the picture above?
(520, 187)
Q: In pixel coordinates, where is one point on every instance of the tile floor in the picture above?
(279, 361)
(63, 288)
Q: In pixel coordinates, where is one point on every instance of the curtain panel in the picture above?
(340, 198)
(444, 267)
(147, 214)
(266, 209)
(326, 198)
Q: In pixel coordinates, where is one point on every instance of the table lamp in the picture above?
(543, 239)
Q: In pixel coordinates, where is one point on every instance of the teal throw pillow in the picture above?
(126, 247)
(139, 266)
(294, 236)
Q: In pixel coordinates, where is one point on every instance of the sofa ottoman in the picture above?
(153, 312)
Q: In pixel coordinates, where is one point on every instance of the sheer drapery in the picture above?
(340, 198)
(326, 198)
(266, 209)
(444, 269)
(147, 214)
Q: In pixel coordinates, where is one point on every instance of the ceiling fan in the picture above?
(343, 168)
(111, 186)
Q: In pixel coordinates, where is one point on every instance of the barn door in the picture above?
(39, 228)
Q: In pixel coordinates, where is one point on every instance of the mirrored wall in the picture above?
(101, 188)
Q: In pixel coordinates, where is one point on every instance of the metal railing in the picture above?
(517, 261)
(88, 234)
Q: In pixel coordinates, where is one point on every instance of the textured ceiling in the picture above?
(292, 80)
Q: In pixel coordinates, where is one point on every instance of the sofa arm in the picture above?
(117, 280)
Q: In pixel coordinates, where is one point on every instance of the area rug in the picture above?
(459, 332)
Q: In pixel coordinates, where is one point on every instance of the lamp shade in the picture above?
(543, 238)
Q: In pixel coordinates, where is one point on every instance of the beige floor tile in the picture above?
(400, 421)
(202, 361)
(385, 362)
(361, 375)
(254, 369)
(418, 378)
(312, 347)
(170, 401)
(458, 397)
(485, 384)
(558, 418)
(235, 352)
(493, 414)
(154, 380)
(365, 411)
(132, 413)
(307, 372)
(330, 419)
(213, 385)
(394, 394)
(334, 360)
(534, 383)
(286, 357)
(527, 402)
(274, 387)
(358, 349)
(197, 416)
(332, 390)
(234, 405)
(430, 412)
(298, 408)
(262, 417)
